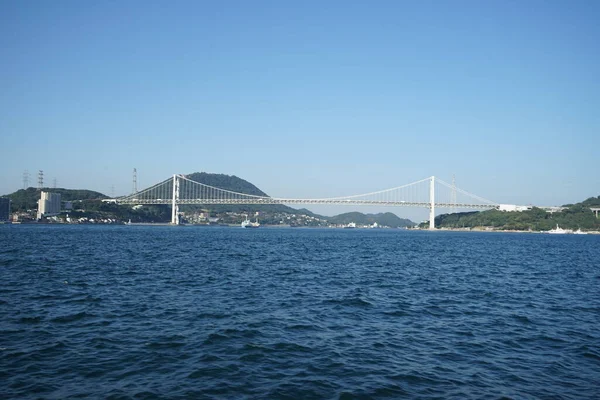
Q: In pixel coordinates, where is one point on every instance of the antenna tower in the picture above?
(54, 183)
(25, 179)
(134, 187)
(40, 179)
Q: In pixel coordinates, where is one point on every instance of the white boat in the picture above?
(579, 232)
(249, 224)
(559, 230)
(351, 225)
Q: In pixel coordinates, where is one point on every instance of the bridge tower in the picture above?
(432, 203)
(175, 204)
(134, 185)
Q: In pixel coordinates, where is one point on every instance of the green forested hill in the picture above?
(26, 199)
(304, 211)
(227, 182)
(576, 216)
(382, 219)
(239, 185)
(590, 202)
(235, 184)
(91, 206)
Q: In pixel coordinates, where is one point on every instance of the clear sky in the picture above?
(304, 98)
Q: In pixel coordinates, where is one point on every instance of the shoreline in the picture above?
(476, 230)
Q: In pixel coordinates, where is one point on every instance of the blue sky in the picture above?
(305, 99)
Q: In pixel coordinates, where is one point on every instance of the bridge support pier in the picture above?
(175, 203)
(432, 203)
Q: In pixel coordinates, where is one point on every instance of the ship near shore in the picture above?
(559, 231)
(249, 224)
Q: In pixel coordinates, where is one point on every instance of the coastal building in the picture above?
(513, 207)
(4, 209)
(48, 204)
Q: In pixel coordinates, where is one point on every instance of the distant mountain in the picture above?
(26, 199)
(227, 182)
(235, 184)
(382, 219)
(311, 214)
(238, 185)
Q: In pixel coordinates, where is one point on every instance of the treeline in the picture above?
(576, 216)
(27, 199)
(590, 202)
(98, 210)
(382, 219)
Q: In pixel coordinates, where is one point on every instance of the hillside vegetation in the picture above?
(88, 204)
(576, 216)
(382, 219)
(26, 199)
(234, 184)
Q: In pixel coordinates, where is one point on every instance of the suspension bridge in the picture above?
(429, 193)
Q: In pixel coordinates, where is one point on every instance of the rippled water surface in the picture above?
(200, 313)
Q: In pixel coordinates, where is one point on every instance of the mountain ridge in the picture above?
(26, 199)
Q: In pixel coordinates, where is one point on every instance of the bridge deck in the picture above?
(267, 201)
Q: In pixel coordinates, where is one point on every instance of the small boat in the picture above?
(579, 232)
(559, 230)
(249, 224)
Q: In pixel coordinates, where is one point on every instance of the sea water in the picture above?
(203, 313)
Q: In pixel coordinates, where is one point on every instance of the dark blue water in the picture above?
(201, 313)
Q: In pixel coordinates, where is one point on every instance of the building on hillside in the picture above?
(513, 207)
(4, 209)
(48, 204)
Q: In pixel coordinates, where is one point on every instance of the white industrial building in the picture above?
(513, 207)
(48, 204)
